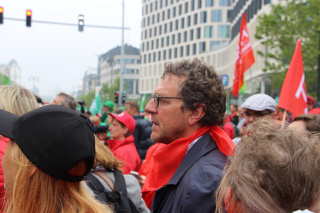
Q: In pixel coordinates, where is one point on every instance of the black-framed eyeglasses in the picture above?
(156, 99)
(256, 115)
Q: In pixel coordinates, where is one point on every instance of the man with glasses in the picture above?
(258, 106)
(185, 166)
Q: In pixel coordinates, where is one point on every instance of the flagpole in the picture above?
(284, 118)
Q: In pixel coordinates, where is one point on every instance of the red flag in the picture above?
(245, 57)
(293, 95)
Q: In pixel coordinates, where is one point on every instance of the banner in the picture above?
(96, 106)
(245, 57)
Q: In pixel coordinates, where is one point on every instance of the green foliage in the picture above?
(88, 98)
(281, 29)
(107, 92)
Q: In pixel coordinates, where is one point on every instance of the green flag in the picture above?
(243, 88)
(96, 106)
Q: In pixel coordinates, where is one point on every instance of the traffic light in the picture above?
(28, 19)
(123, 98)
(116, 97)
(1, 15)
(80, 22)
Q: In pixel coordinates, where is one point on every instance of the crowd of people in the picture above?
(189, 155)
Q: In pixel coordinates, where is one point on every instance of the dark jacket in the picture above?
(192, 187)
(141, 135)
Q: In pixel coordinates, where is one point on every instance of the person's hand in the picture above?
(142, 180)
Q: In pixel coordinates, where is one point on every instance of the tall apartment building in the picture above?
(172, 30)
(109, 69)
(15, 72)
(90, 79)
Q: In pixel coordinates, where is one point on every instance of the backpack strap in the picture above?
(106, 179)
(119, 183)
(96, 186)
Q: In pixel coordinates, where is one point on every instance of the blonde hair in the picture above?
(38, 192)
(105, 157)
(273, 170)
(17, 99)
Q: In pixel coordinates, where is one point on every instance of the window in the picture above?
(208, 32)
(160, 4)
(173, 39)
(195, 19)
(145, 58)
(209, 3)
(180, 9)
(128, 71)
(166, 3)
(158, 17)
(142, 47)
(202, 47)
(177, 24)
(157, 43)
(224, 3)
(148, 20)
(149, 57)
(164, 54)
(146, 9)
(189, 21)
(152, 42)
(214, 45)
(192, 5)
(216, 15)
(145, 34)
(154, 57)
(169, 56)
(163, 15)
(150, 32)
(198, 32)
(168, 40)
(199, 4)
(171, 26)
(187, 50)
(129, 88)
(160, 29)
(155, 31)
(147, 45)
(174, 12)
(165, 28)
(156, 5)
(203, 17)
(152, 19)
(162, 41)
(144, 22)
(168, 14)
(175, 52)
(191, 35)
(223, 31)
(185, 36)
(129, 61)
(181, 51)
(159, 56)
(179, 38)
(194, 49)
(186, 7)
(182, 23)
(151, 7)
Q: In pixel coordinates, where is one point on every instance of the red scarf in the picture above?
(166, 158)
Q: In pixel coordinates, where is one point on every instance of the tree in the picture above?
(88, 98)
(280, 31)
(107, 92)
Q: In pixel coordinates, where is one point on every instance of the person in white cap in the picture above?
(258, 106)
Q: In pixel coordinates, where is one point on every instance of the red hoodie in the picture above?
(126, 151)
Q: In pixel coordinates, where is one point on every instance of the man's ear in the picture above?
(232, 205)
(197, 114)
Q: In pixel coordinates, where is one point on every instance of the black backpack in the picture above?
(118, 197)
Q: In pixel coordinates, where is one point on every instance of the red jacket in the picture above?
(3, 144)
(126, 151)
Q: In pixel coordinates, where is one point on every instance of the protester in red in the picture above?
(310, 102)
(122, 142)
(227, 126)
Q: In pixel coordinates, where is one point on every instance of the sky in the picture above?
(55, 57)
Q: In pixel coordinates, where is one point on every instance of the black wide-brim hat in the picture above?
(54, 138)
